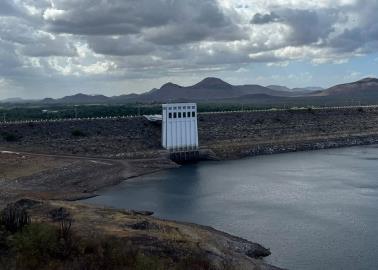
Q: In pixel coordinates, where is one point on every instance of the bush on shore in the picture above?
(44, 246)
(9, 137)
(78, 133)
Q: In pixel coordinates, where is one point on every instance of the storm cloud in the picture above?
(128, 44)
(162, 21)
(307, 26)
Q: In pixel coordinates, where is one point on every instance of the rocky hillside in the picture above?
(365, 87)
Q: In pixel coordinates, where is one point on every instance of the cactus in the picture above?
(62, 216)
(14, 218)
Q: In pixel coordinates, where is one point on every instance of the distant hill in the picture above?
(207, 89)
(311, 88)
(302, 90)
(279, 88)
(79, 99)
(217, 90)
(363, 88)
(14, 100)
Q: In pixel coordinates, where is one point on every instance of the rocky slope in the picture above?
(90, 233)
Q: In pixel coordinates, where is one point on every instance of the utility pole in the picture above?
(4, 115)
(75, 111)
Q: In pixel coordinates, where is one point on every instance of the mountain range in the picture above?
(214, 89)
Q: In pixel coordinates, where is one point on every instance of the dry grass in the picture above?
(13, 165)
(103, 238)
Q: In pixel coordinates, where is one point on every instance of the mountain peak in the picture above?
(368, 80)
(278, 88)
(78, 95)
(212, 82)
(170, 85)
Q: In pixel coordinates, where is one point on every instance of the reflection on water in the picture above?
(315, 210)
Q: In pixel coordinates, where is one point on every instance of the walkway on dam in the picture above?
(218, 112)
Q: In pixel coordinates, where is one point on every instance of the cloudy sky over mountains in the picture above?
(60, 47)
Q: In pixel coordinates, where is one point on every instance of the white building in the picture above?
(179, 126)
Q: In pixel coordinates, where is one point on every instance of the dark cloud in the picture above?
(188, 33)
(14, 30)
(8, 56)
(348, 29)
(259, 18)
(308, 26)
(120, 46)
(8, 8)
(49, 47)
(162, 21)
(31, 42)
(363, 36)
(110, 40)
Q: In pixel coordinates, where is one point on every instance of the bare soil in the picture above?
(66, 177)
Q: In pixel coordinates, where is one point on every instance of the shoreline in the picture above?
(126, 169)
(274, 150)
(238, 150)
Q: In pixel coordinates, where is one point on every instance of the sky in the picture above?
(54, 48)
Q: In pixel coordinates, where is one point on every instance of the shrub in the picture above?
(14, 218)
(195, 262)
(62, 216)
(77, 133)
(143, 262)
(53, 246)
(40, 246)
(311, 110)
(277, 120)
(9, 137)
(35, 246)
(3, 239)
(259, 121)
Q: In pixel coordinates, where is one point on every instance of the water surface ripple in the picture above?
(315, 210)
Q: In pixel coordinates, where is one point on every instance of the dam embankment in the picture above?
(229, 135)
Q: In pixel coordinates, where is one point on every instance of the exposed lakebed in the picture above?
(315, 210)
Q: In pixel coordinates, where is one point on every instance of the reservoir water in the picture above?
(314, 210)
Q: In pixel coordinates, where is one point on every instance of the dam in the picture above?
(180, 131)
(229, 135)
